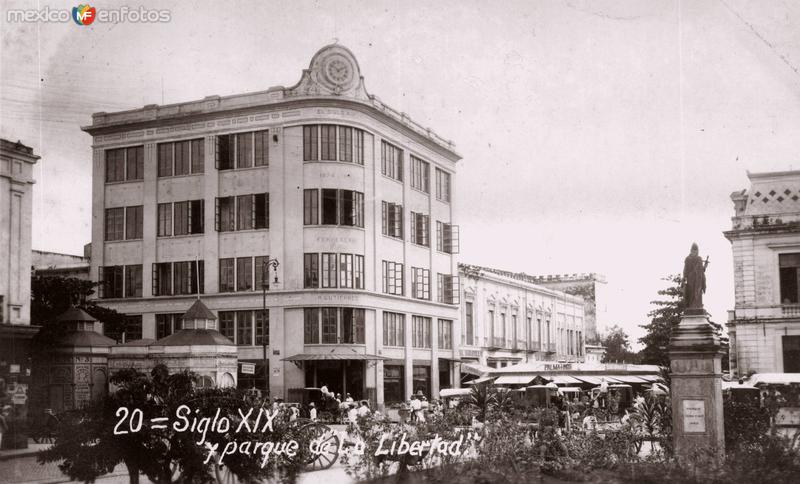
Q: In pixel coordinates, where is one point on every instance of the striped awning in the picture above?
(629, 379)
(592, 380)
(564, 380)
(333, 356)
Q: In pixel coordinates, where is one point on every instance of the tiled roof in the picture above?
(194, 337)
(198, 311)
(74, 314)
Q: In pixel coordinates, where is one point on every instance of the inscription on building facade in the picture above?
(694, 416)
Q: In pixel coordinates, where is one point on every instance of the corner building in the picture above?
(352, 198)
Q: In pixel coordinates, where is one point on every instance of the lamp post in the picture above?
(264, 315)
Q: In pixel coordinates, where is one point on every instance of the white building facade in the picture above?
(764, 326)
(506, 320)
(353, 200)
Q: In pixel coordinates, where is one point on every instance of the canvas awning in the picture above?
(629, 379)
(514, 380)
(480, 380)
(475, 369)
(650, 378)
(774, 378)
(564, 380)
(592, 380)
(333, 356)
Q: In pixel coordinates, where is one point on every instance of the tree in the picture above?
(617, 347)
(51, 296)
(666, 315)
(88, 448)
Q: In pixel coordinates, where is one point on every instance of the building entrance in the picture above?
(340, 376)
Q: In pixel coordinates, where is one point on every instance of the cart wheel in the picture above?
(326, 446)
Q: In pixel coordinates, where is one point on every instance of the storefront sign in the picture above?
(248, 368)
(694, 416)
(470, 353)
(558, 366)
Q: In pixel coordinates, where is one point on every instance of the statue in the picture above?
(694, 280)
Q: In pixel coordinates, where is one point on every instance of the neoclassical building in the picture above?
(764, 326)
(317, 202)
(508, 320)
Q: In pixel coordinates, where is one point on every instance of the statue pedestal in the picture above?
(696, 393)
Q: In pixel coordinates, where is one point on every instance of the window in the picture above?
(311, 326)
(311, 206)
(178, 278)
(420, 229)
(394, 329)
(226, 214)
(420, 175)
(227, 324)
(346, 271)
(115, 165)
(310, 270)
(262, 272)
(358, 273)
(134, 164)
(310, 138)
(226, 275)
(167, 324)
(442, 185)
(327, 142)
(111, 278)
(115, 223)
(187, 215)
(320, 143)
(393, 278)
(393, 383)
(243, 212)
(789, 265)
(166, 159)
(242, 150)
(164, 219)
(446, 334)
(131, 329)
(339, 207)
(244, 274)
(351, 145)
(183, 158)
(420, 283)
(225, 152)
(391, 161)
(244, 328)
(790, 346)
(329, 270)
(448, 289)
(262, 327)
(198, 156)
(446, 238)
(420, 332)
(133, 222)
(422, 380)
(133, 281)
(330, 211)
(329, 330)
(333, 325)
(470, 328)
(261, 148)
(392, 220)
(352, 326)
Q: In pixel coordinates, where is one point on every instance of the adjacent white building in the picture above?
(764, 326)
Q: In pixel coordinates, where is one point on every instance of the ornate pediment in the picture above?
(333, 71)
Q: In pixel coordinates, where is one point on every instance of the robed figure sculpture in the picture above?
(694, 279)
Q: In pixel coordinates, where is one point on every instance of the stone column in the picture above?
(696, 393)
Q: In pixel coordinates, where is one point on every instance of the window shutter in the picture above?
(216, 214)
(414, 227)
(266, 210)
(454, 241)
(155, 280)
(455, 289)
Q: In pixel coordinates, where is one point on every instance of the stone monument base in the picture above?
(696, 390)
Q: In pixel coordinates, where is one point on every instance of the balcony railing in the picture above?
(790, 309)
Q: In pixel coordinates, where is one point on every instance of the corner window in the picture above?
(789, 265)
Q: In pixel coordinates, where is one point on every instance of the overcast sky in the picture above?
(597, 136)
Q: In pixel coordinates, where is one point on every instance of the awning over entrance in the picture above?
(479, 380)
(475, 369)
(333, 356)
(629, 379)
(514, 380)
(592, 380)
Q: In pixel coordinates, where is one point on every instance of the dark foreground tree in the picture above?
(666, 315)
(618, 348)
(86, 445)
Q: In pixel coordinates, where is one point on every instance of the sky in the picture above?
(598, 136)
